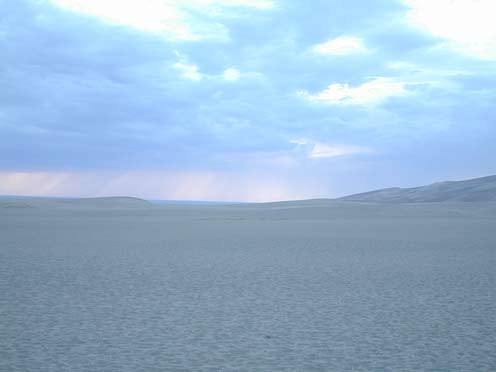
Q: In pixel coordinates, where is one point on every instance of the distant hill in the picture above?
(114, 202)
(474, 190)
(477, 189)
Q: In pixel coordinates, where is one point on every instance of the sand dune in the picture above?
(314, 209)
(474, 190)
(114, 202)
(477, 189)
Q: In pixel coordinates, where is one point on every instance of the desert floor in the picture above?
(321, 285)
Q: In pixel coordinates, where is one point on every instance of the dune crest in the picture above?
(113, 202)
(473, 190)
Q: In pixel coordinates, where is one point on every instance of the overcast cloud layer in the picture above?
(244, 100)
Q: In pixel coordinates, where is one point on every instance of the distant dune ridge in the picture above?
(114, 202)
(473, 190)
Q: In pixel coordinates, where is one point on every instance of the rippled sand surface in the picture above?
(316, 286)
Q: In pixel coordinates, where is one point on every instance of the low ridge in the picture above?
(472, 190)
(115, 202)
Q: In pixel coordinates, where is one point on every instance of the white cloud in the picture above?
(260, 4)
(150, 15)
(371, 92)
(468, 24)
(322, 150)
(231, 74)
(171, 18)
(189, 71)
(319, 150)
(341, 46)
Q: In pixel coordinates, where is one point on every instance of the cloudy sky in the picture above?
(244, 100)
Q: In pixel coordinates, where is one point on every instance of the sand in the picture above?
(481, 189)
(121, 284)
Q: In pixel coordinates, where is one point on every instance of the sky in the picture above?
(244, 100)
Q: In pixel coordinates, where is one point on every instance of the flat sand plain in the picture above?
(118, 284)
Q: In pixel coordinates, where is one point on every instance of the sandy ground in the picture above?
(122, 285)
